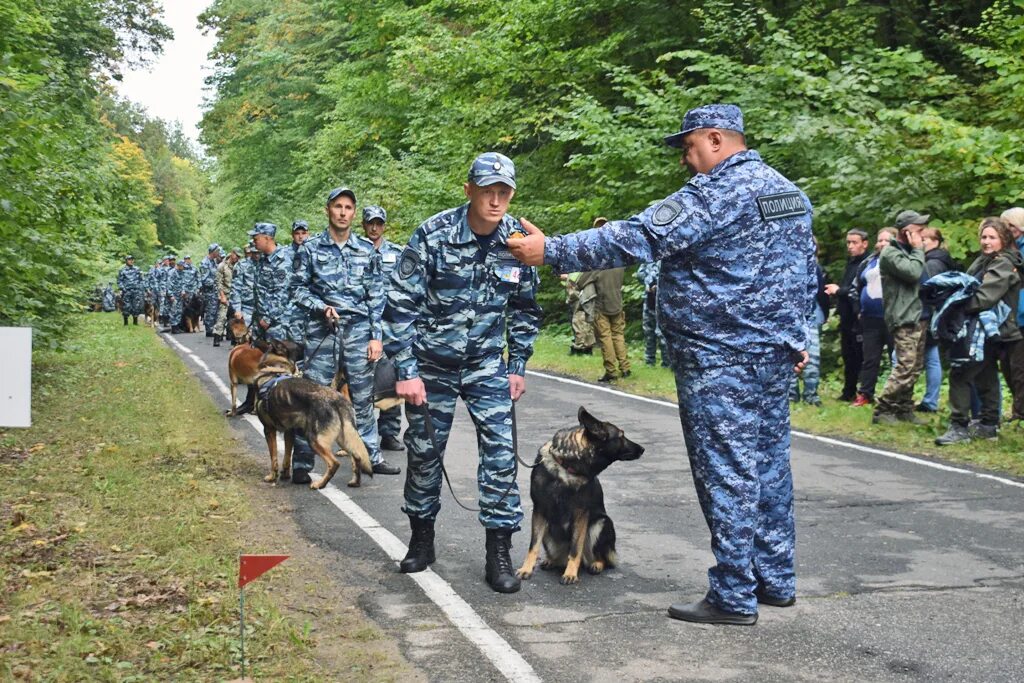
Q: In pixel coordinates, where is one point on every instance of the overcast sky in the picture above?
(172, 88)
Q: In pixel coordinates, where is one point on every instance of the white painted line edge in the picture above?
(803, 435)
(512, 665)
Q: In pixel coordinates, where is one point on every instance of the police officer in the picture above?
(296, 316)
(208, 287)
(173, 291)
(375, 218)
(129, 281)
(225, 274)
(109, 299)
(243, 294)
(457, 300)
(648, 274)
(338, 283)
(731, 305)
(270, 283)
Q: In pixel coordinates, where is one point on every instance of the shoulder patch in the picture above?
(409, 263)
(666, 212)
(782, 205)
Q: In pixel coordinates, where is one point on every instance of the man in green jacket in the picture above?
(901, 264)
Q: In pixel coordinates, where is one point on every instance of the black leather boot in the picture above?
(500, 575)
(126, 320)
(209, 333)
(135, 320)
(216, 340)
(421, 546)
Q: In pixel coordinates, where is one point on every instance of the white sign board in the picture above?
(15, 376)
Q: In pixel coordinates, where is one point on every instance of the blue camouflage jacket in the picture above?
(242, 293)
(129, 278)
(450, 301)
(188, 280)
(737, 262)
(347, 277)
(271, 277)
(389, 253)
(648, 274)
(208, 274)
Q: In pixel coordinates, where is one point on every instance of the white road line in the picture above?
(804, 435)
(506, 660)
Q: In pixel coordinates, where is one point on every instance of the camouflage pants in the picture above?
(221, 325)
(582, 331)
(611, 335)
(132, 301)
(736, 426)
(390, 422)
(321, 363)
(483, 386)
(211, 307)
(174, 310)
(897, 396)
(652, 333)
(811, 375)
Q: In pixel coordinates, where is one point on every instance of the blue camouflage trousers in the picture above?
(736, 426)
(132, 301)
(811, 374)
(483, 386)
(211, 305)
(652, 333)
(321, 362)
(174, 309)
(390, 422)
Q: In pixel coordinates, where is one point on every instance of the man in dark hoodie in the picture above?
(850, 336)
(902, 264)
(936, 260)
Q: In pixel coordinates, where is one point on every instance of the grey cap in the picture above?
(212, 248)
(263, 229)
(373, 211)
(723, 116)
(300, 225)
(910, 217)
(129, 257)
(490, 168)
(338, 191)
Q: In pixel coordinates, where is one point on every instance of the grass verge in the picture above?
(122, 516)
(835, 419)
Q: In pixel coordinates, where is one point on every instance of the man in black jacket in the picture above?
(849, 327)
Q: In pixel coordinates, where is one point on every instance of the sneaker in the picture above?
(846, 398)
(923, 408)
(884, 419)
(861, 400)
(911, 418)
(987, 432)
(955, 434)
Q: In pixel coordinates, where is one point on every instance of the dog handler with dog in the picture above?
(737, 274)
(456, 301)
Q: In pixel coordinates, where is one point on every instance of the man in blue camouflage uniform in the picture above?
(208, 287)
(160, 279)
(456, 300)
(129, 281)
(243, 294)
(732, 307)
(270, 280)
(188, 284)
(151, 283)
(296, 324)
(172, 289)
(375, 219)
(648, 274)
(337, 282)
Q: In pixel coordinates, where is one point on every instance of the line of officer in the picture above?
(337, 282)
(457, 300)
(375, 218)
(731, 304)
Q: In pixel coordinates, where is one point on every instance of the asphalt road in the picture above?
(905, 572)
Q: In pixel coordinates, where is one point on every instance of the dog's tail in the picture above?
(350, 441)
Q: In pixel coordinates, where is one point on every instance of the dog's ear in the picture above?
(262, 345)
(592, 425)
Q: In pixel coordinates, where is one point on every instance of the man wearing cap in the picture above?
(338, 284)
(225, 273)
(456, 302)
(901, 265)
(163, 272)
(296, 325)
(389, 423)
(150, 282)
(731, 305)
(208, 287)
(270, 284)
(129, 281)
(243, 295)
(173, 284)
(188, 283)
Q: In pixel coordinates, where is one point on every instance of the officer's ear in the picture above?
(715, 138)
(465, 188)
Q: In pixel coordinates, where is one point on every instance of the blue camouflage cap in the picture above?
(724, 116)
(213, 247)
(338, 191)
(129, 257)
(300, 225)
(490, 168)
(263, 229)
(186, 257)
(373, 211)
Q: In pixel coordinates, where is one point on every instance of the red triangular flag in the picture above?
(251, 567)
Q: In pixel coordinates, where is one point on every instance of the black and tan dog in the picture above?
(287, 403)
(569, 518)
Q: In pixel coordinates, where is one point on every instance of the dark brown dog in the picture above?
(286, 403)
(191, 310)
(569, 518)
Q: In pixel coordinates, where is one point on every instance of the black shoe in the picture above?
(606, 378)
(922, 408)
(911, 418)
(301, 477)
(216, 340)
(391, 443)
(766, 599)
(704, 612)
(126, 321)
(499, 574)
(846, 398)
(421, 546)
(383, 467)
(627, 373)
(587, 352)
(135, 320)
(209, 333)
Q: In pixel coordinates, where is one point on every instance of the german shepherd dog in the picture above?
(569, 518)
(238, 331)
(286, 403)
(191, 310)
(244, 366)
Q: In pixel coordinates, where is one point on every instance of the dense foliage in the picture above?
(81, 183)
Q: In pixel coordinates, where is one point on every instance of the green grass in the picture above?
(832, 419)
(123, 513)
